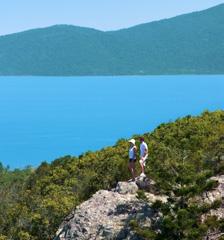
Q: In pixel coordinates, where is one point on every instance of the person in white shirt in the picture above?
(132, 158)
(143, 155)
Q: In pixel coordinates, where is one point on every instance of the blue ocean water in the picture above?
(42, 118)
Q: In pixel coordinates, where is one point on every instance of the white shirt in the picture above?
(143, 149)
(132, 152)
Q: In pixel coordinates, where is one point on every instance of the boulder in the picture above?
(107, 214)
(146, 184)
(126, 187)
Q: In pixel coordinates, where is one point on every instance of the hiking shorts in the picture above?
(132, 160)
(143, 160)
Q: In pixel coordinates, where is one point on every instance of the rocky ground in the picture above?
(209, 198)
(107, 214)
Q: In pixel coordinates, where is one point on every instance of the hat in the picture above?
(132, 141)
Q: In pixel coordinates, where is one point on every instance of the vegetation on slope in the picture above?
(180, 45)
(183, 155)
(11, 185)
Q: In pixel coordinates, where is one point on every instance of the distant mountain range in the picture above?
(188, 44)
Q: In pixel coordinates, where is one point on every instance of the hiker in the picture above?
(143, 155)
(132, 158)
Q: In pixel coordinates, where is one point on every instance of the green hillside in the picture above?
(184, 153)
(187, 44)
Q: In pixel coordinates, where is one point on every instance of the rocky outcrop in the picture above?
(209, 198)
(215, 194)
(108, 213)
(126, 188)
(147, 184)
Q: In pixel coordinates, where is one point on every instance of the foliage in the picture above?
(141, 195)
(181, 45)
(183, 155)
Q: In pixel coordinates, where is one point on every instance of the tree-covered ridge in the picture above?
(11, 184)
(183, 155)
(181, 45)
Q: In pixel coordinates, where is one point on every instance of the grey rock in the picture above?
(126, 187)
(209, 197)
(146, 184)
(215, 235)
(215, 194)
(107, 215)
(152, 198)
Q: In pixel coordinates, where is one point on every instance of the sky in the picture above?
(20, 15)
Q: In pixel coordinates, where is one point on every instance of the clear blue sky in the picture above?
(21, 15)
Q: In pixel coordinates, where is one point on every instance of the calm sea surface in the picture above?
(42, 118)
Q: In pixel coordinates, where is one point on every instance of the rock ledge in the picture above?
(106, 215)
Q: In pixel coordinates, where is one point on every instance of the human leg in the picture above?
(131, 167)
(142, 164)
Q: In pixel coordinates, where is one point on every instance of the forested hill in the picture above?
(187, 44)
(183, 155)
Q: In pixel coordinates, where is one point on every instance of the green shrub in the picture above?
(182, 156)
(141, 195)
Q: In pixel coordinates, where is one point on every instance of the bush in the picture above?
(182, 156)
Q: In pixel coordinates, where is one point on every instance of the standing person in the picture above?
(132, 158)
(143, 155)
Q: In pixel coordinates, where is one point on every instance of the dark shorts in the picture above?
(132, 160)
